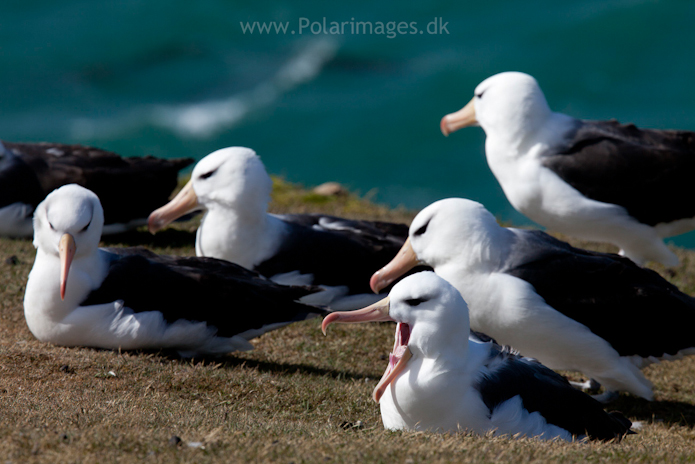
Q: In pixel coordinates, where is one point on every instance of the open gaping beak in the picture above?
(401, 355)
(377, 312)
(185, 202)
(464, 117)
(405, 260)
(66, 251)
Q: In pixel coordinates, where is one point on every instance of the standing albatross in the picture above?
(596, 313)
(82, 295)
(596, 180)
(439, 379)
(128, 187)
(233, 188)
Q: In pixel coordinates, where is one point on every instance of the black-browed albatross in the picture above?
(233, 188)
(597, 180)
(129, 188)
(81, 295)
(597, 313)
(439, 379)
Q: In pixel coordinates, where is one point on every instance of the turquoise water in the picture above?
(180, 78)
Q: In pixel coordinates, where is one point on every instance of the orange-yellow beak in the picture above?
(464, 117)
(378, 312)
(185, 202)
(405, 260)
(66, 251)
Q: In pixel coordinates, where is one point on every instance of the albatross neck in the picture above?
(527, 135)
(42, 298)
(243, 236)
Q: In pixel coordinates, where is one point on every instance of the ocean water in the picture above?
(179, 78)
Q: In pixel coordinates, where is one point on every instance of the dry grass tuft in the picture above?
(298, 397)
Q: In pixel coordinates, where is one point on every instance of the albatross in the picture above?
(233, 187)
(596, 180)
(439, 379)
(81, 295)
(596, 313)
(128, 187)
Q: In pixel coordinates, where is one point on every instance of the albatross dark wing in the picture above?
(129, 188)
(224, 295)
(336, 251)
(636, 310)
(550, 394)
(649, 172)
(18, 182)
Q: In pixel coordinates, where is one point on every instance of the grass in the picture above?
(298, 397)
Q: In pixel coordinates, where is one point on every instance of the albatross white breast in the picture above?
(233, 188)
(597, 180)
(128, 187)
(440, 380)
(80, 295)
(571, 309)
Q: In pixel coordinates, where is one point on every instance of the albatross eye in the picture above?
(207, 174)
(87, 226)
(480, 95)
(422, 229)
(415, 301)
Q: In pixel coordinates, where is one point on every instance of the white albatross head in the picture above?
(450, 231)
(68, 224)
(233, 178)
(508, 105)
(431, 315)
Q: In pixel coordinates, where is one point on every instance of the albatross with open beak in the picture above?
(81, 295)
(439, 379)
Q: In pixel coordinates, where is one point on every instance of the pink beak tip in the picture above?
(378, 393)
(374, 282)
(328, 320)
(444, 127)
(152, 224)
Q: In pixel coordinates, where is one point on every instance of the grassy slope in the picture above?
(299, 397)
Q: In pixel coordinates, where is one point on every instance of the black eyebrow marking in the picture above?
(422, 229)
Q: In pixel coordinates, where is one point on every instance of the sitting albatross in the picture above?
(596, 180)
(234, 188)
(82, 295)
(597, 313)
(439, 379)
(128, 187)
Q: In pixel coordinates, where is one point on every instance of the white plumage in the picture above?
(596, 180)
(571, 309)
